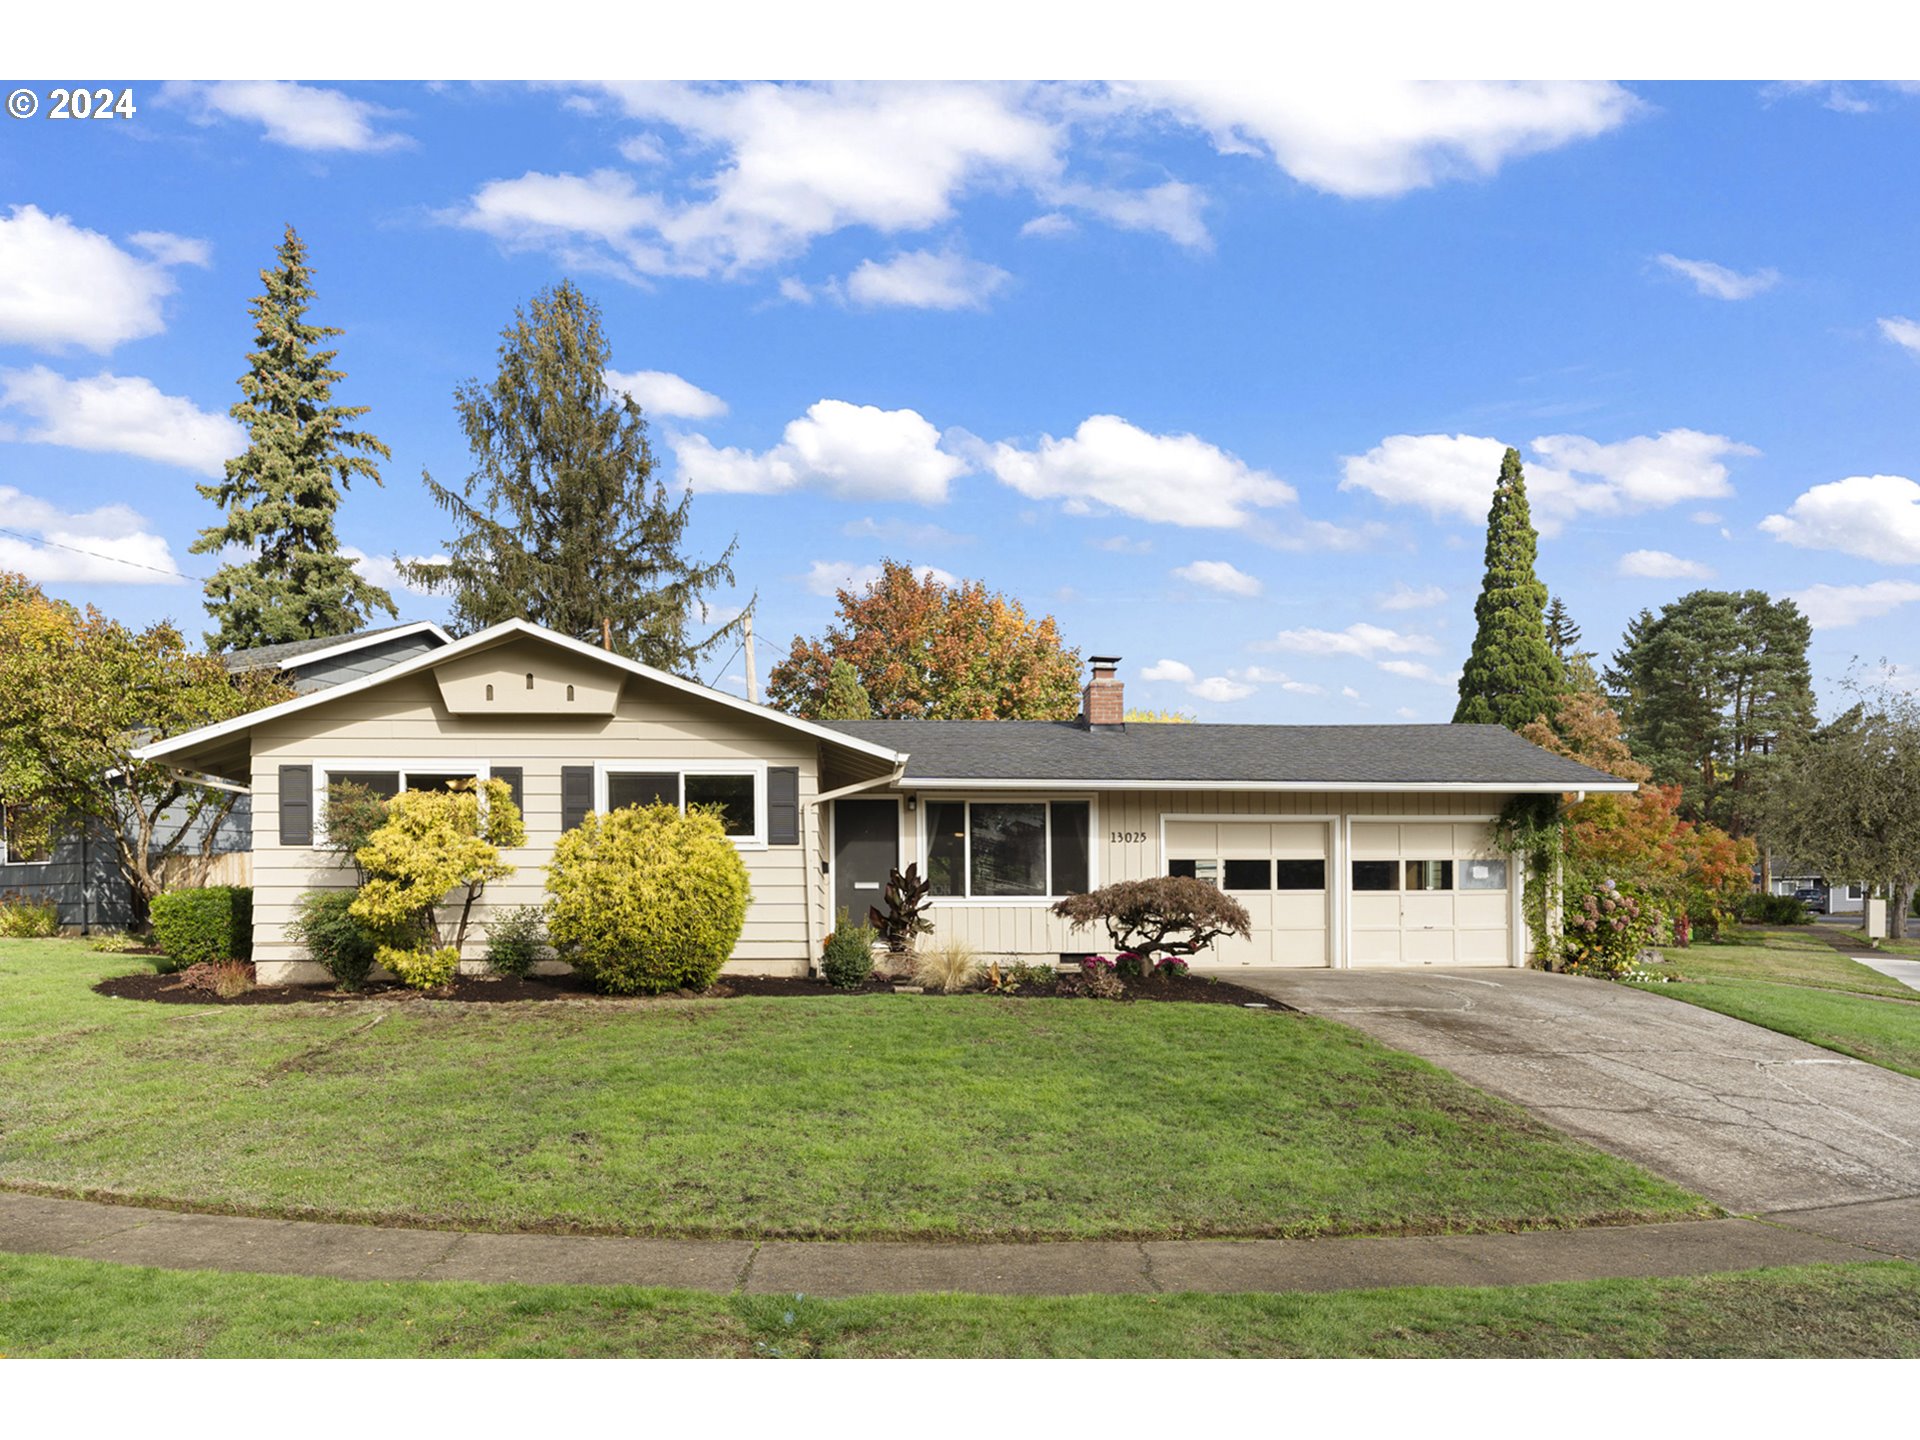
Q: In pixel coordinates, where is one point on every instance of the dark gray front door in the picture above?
(866, 845)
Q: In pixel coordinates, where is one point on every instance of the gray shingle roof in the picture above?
(279, 656)
(1283, 754)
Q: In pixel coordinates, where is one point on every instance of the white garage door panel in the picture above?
(1427, 927)
(1290, 927)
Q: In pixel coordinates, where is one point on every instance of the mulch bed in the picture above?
(486, 990)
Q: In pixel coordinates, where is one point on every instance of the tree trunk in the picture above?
(1902, 890)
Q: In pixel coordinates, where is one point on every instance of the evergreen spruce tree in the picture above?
(280, 496)
(846, 697)
(562, 521)
(1512, 676)
(1563, 638)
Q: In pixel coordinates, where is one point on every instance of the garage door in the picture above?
(1277, 869)
(1428, 893)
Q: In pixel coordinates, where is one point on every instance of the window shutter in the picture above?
(576, 795)
(783, 805)
(296, 805)
(515, 778)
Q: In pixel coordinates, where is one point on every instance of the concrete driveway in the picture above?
(1755, 1121)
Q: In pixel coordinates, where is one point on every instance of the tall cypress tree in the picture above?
(281, 495)
(1512, 676)
(562, 521)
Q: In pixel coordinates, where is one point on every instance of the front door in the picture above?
(866, 845)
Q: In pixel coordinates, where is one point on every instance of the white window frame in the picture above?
(755, 769)
(1024, 797)
(323, 770)
(6, 850)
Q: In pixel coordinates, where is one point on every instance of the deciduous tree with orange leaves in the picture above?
(926, 650)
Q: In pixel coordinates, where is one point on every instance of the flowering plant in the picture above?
(1605, 930)
(1130, 963)
(1091, 964)
(1170, 967)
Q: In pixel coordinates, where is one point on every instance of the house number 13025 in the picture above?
(1127, 837)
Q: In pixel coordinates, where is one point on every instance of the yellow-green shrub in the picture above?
(423, 968)
(647, 899)
(432, 843)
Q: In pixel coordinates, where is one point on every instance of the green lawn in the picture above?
(1907, 949)
(1792, 981)
(873, 1116)
(57, 1307)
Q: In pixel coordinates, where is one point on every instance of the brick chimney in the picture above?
(1103, 703)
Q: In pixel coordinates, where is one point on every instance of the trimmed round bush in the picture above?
(325, 926)
(647, 899)
(214, 923)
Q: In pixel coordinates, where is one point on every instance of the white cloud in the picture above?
(1172, 209)
(902, 532)
(855, 452)
(664, 394)
(796, 162)
(1452, 476)
(1416, 670)
(166, 248)
(825, 577)
(1876, 517)
(119, 414)
(925, 280)
(1219, 689)
(1706, 517)
(305, 117)
(1261, 675)
(1172, 670)
(1381, 137)
(382, 571)
(1220, 577)
(62, 285)
(1404, 597)
(1122, 545)
(1359, 639)
(1717, 281)
(1661, 565)
(1901, 331)
(1048, 226)
(1833, 607)
(107, 546)
(795, 291)
(1110, 464)
(1347, 692)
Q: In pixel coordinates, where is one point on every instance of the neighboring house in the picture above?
(1349, 844)
(80, 872)
(1791, 877)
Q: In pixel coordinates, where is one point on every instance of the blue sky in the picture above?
(1218, 375)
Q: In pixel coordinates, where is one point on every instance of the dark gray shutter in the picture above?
(783, 805)
(516, 785)
(576, 794)
(296, 805)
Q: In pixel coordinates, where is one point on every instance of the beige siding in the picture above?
(405, 722)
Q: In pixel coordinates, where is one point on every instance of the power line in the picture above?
(96, 555)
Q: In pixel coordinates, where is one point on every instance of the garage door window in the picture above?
(1429, 875)
(1248, 875)
(1376, 875)
(1483, 875)
(1299, 874)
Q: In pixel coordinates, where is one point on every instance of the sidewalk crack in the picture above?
(746, 1270)
(1146, 1267)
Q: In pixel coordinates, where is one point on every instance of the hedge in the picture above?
(215, 923)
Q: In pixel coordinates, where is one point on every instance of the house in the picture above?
(1348, 844)
(1791, 876)
(79, 871)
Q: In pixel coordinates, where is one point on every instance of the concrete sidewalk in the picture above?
(1907, 972)
(32, 1224)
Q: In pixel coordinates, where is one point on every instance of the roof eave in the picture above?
(1505, 787)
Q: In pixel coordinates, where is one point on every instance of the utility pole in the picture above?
(753, 684)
